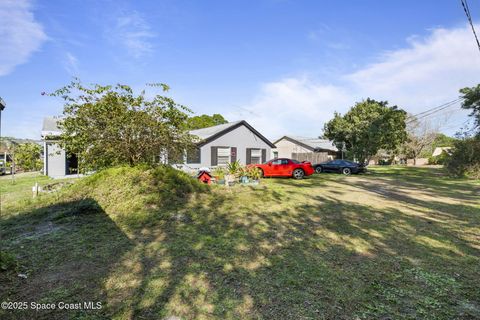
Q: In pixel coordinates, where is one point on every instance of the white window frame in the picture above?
(224, 153)
(257, 156)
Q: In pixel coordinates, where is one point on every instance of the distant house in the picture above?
(439, 150)
(56, 162)
(221, 144)
(291, 147)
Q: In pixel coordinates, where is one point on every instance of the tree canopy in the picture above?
(110, 125)
(28, 156)
(205, 121)
(367, 127)
(471, 102)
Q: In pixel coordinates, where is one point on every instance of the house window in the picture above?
(223, 156)
(275, 154)
(255, 156)
(193, 155)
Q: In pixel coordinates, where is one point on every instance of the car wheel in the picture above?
(262, 175)
(346, 171)
(298, 173)
(318, 169)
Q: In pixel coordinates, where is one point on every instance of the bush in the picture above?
(174, 185)
(440, 159)
(465, 159)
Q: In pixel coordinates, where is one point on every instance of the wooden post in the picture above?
(35, 190)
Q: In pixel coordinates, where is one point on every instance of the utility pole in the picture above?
(2, 107)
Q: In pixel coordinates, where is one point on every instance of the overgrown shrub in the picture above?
(440, 159)
(465, 159)
(174, 185)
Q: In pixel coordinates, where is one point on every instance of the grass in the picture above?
(397, 243)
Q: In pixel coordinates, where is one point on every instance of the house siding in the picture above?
(240, 138)
(285, 148)
(56, 164)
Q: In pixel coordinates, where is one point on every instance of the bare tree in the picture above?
(421, 134)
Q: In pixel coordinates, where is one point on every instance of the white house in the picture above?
(286, 146)
(221, 144)
(56, 162)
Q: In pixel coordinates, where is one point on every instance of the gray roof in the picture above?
(50, 126)
(206, 133)
(313, 143)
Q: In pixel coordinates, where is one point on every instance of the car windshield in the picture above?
(295, 161)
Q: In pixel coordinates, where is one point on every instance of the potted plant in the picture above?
(233, 170)
(219, 174)
(243, 175)
(254, 174)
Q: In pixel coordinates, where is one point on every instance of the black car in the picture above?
(341, 166)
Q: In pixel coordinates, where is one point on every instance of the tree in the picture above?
(368, 127)
(205, 121)
(471, 101)
(420, 136)
(28, 157)
(465, 158)
(110, 125)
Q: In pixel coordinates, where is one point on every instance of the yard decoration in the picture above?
(204, 176)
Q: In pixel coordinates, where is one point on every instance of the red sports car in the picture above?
(286, 168)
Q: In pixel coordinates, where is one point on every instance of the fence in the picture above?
(313, 157)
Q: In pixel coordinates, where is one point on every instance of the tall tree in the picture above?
(471, 102)
(420, 135)
(110, 125)
(205, 121)
(367, 127)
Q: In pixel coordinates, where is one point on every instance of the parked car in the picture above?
(341, 166)
(285, 168)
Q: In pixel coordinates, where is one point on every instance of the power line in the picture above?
(434, 110)
(469, 18)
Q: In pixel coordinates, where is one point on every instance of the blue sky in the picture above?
(284, 66)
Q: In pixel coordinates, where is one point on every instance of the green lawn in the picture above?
(397, 243)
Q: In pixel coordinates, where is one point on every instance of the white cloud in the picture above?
(134, 34)
(20, 34)
(70, 64)
(427, 73)
(285, 106)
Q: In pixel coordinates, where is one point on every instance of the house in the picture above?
(215, 146)
(301, 148)
(224, 143)
(56, 162)
(439, 150)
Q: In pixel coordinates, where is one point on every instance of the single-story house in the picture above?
(291, 146)
(215, 146)
(224, 143)
(56, 162)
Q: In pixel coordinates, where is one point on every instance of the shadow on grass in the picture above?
(65, 250)
(327, 260)
(230, 255)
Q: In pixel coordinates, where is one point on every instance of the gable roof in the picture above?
(313, 144)
(209, 134)
(50, 126)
